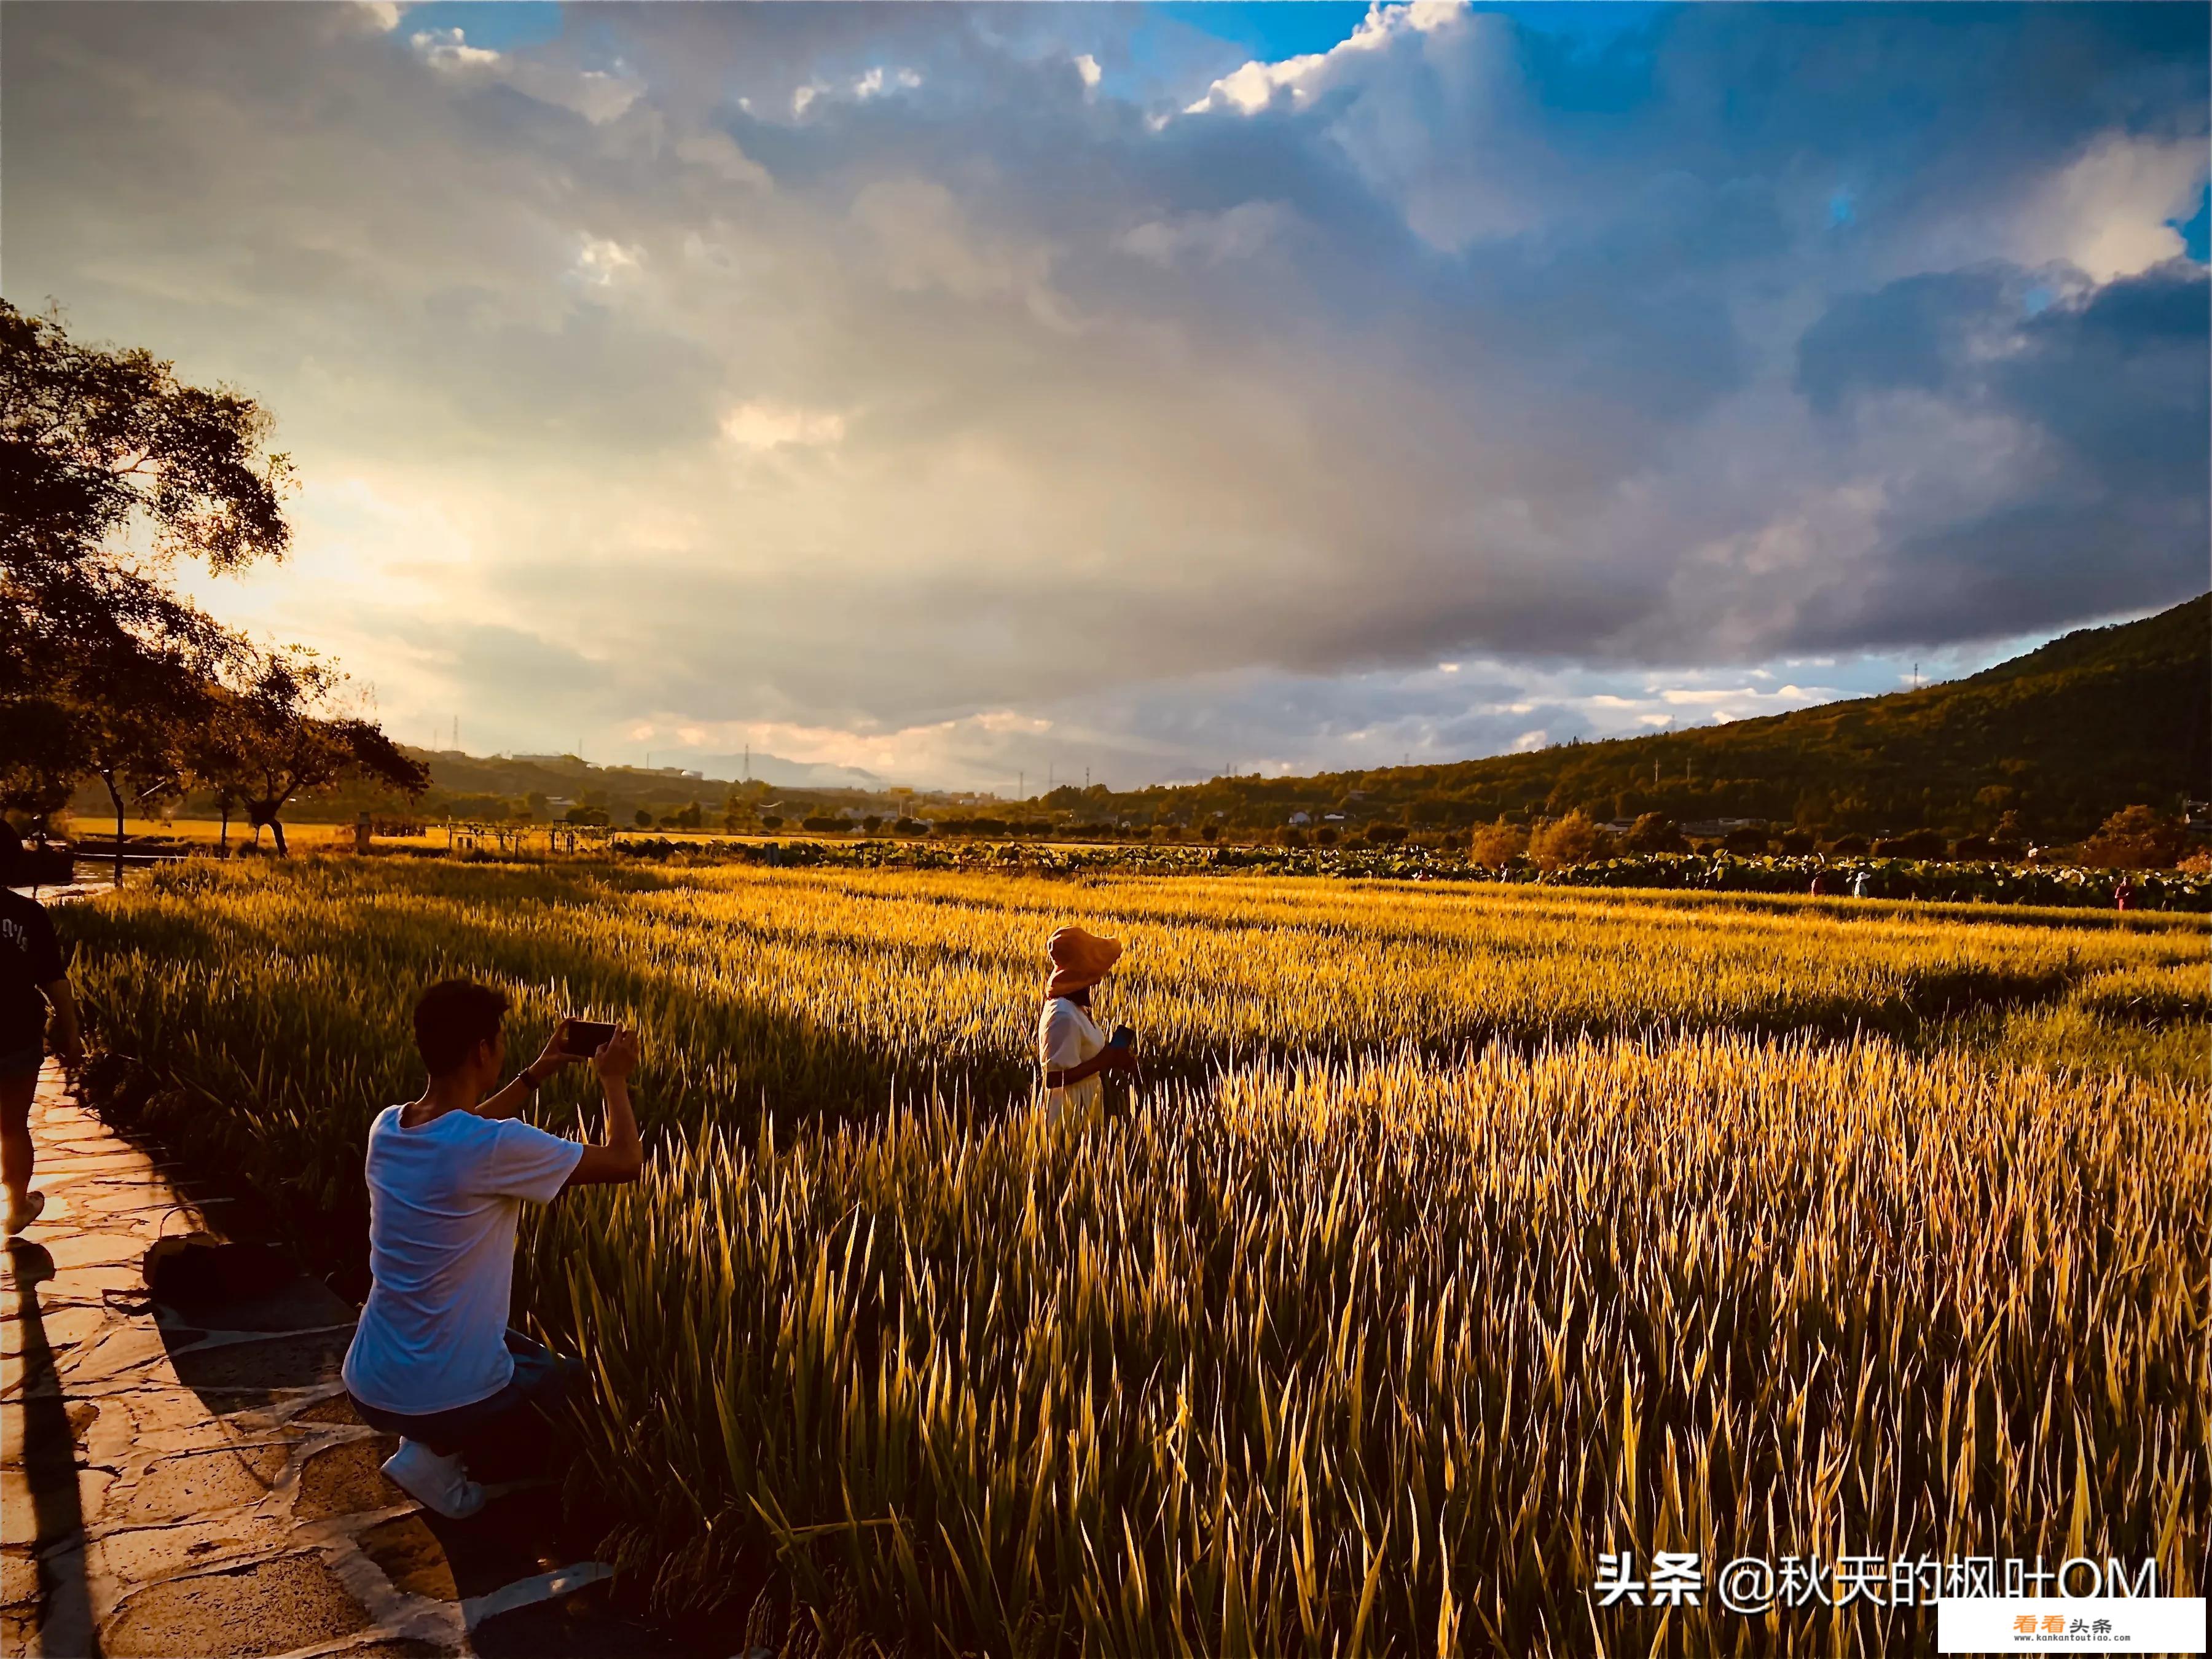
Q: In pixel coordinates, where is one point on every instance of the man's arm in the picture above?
(619, 1158)
(524, 1085)
(69, 1033)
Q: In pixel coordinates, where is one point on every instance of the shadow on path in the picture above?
(49, 1462)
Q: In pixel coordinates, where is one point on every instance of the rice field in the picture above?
(1456, 1237)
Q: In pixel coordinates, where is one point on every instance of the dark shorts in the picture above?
(541, 1377)
(22, 1062)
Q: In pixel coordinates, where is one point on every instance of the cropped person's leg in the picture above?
(522, 1439)
(429, 1466)
(19, 1086)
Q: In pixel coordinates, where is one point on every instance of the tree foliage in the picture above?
(280, 732)
(112, 468)
(2135, 838)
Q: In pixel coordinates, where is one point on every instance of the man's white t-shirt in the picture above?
(442, 1202)
(1067, 1036)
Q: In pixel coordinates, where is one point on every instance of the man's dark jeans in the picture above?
(507, 1429)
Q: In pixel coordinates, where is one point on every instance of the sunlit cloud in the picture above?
(766, 424)
(947, 392)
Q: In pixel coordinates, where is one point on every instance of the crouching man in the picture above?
(432, 1358)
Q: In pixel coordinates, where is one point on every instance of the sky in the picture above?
(982, 394)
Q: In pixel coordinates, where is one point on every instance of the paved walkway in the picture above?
(184, 1480)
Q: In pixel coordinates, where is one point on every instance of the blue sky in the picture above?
(956, 391)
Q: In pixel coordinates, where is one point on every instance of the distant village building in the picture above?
(1301, 817)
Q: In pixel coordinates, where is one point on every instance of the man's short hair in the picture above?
(454, 1016)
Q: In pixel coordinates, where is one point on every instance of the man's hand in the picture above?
(555, 1055)
(617, 1056)
(1112, 1059)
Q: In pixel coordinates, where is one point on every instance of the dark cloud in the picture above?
(2110, 392)
(867, 370)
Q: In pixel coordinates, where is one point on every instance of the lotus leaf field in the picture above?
(1459, 1233)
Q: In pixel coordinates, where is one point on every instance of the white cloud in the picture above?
(927, 240)
(448, 49)
(1315, 492)
(1254, 87)
(2107, 212)
(1087, 67)
(1207, 239)
(764, 424)
(718, 153)
(602, 261)
(598, 95)
(877, 80)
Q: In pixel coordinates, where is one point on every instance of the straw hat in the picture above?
(1079, 959)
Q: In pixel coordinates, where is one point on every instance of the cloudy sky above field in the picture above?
(959, 391)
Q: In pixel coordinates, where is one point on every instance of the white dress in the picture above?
(1067, 1036)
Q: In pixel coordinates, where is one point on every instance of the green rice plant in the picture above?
(1379, 1357)
(1464, 1233)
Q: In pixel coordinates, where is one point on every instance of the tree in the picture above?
(1574, 839)
(280, 735)
(1912, 844)
(2135, 838)
(1497, 845)
(103, 667)
(1655, 832)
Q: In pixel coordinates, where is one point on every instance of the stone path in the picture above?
(188, 1481)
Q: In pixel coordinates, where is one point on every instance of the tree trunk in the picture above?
(108, 778)
(224, 844)
(276, 829)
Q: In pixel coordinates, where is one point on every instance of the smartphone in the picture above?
(1125, 1036)
(585, 1036)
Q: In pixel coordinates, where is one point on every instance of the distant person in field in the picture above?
(1071, 1047)
(32, 976)
(2124, 896)
(432, 1358)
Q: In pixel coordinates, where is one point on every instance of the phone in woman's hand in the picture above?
(1125, 1036)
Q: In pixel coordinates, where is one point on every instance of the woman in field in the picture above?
(1071, 1047)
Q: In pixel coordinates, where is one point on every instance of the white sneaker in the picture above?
(437, 1483)
(23, 1210)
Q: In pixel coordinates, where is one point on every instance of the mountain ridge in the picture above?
(2059, 737)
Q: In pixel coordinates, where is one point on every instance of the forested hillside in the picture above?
(2060, 737)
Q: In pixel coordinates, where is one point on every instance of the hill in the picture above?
(2060, 737)
(2057, 738)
